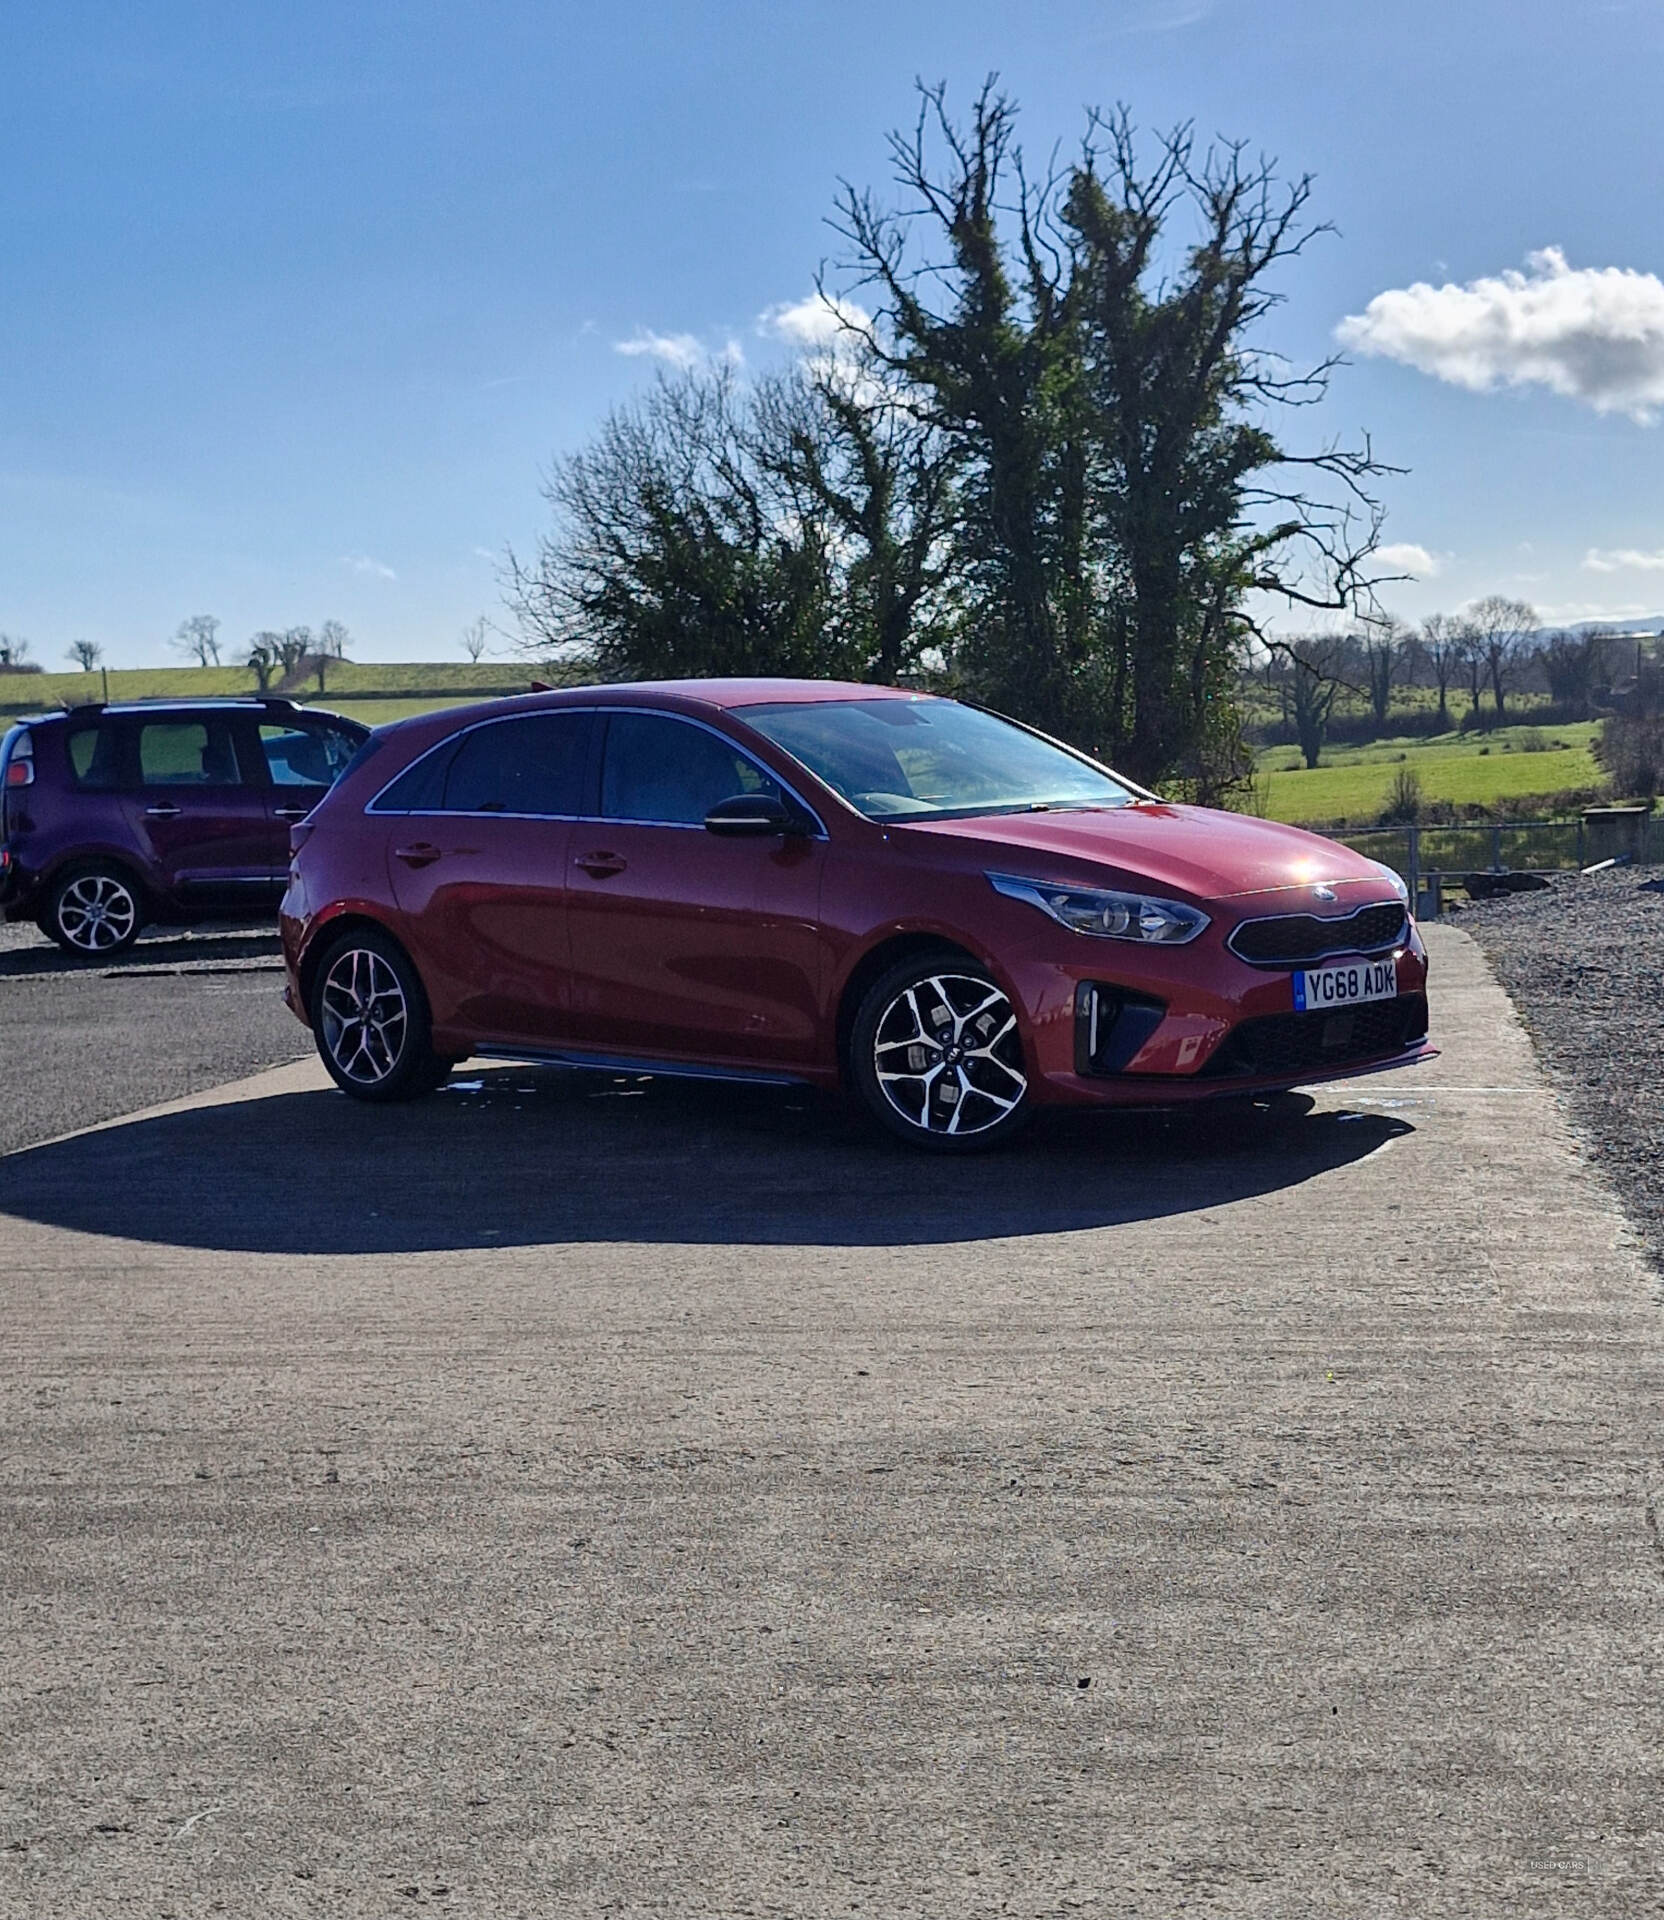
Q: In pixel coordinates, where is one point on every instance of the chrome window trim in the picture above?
(601, 819)
(1338, 921)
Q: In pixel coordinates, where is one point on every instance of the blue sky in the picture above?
(299, 300)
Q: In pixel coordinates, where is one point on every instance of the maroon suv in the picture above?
(115, 816)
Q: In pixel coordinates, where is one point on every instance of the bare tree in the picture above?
(1571, 662)
(474, 638)
(1442, 645)
(331, 645)
(86, 654)
(293, 647)
(1315, 678)
(199, 637)
(14, 654)
(1499, 630)
(264, 657)
(1382, 644)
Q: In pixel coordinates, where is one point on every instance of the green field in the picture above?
(373, 691)
(1352, 784)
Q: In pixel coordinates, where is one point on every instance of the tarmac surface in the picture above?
(562, 1497)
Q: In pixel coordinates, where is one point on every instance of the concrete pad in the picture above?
(558, 1498)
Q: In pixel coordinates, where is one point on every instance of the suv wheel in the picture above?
(937, 1056)
(93, 912)
(370, 1020)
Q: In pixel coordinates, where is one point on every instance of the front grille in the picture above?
(1294, 1043)
(1289, 939)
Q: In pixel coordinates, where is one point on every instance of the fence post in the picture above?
(1415, 868)
(1580, 862)
(1496, 849)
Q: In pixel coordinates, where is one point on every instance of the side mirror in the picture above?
(752, 816)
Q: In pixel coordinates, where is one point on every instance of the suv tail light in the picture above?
(21, 771)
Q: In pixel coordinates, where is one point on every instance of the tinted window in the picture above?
(188, 753)
(310, 756)
(672, 772)
(421, 787)
(533, 765)
(95, 756)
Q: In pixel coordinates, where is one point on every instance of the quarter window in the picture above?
(671, 772)
(95, 756)
(533, 765)
(188, 753)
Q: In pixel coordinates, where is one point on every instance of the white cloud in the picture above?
(683, 351)
(1405, 556)
(679, 350)
(1623, 560)
(814, 324)
(362, 564)
(1594, 334)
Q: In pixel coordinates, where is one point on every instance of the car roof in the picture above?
(182, 703)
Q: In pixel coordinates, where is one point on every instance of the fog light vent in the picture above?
(1111, 1025)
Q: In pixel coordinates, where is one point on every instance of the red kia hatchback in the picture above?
(776, 880)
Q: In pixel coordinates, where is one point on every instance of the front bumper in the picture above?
(1140, 1026)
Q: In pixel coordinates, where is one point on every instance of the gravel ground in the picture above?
(1584, 963)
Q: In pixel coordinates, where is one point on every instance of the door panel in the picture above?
(483, 875)
(486, 901)
(194, 813)
(302, 761)
(688, 944)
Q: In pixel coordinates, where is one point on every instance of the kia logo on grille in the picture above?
(1324, 893)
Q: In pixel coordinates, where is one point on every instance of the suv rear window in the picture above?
(95, 756)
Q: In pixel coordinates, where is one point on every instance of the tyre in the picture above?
(370, 1019)
(93, 911)
(936, 1055)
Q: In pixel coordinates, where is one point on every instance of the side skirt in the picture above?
(624, 1063)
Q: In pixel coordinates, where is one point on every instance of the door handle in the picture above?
(164, 812)
(600, 866)
(422, 854)
(291, 813)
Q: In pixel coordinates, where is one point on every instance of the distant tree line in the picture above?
(1031, 457)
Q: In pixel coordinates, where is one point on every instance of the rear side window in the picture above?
(532, 765)
(671, 772)
(95, 756)
(188, 753)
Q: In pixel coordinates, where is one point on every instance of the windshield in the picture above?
(911, 759)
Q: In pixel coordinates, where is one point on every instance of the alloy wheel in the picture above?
(97, 913)
(365, 1016)
(947, 1056)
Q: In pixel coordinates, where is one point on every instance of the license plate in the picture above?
(1319, 988)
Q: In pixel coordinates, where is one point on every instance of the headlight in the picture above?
(1395, 880)
(1111, 916)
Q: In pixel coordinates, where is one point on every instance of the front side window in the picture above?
(669, 772)
(531, 765)
(188, 753)
(309, 756)
(916, 758)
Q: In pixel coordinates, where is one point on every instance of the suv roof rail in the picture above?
(278, 700)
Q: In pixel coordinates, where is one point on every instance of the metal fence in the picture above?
(1538, 846)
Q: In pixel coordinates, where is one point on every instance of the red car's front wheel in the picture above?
(938, 1058)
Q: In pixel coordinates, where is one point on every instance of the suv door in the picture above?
(303, 759)
(197, 814)
(686, 944)
(480, 872)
